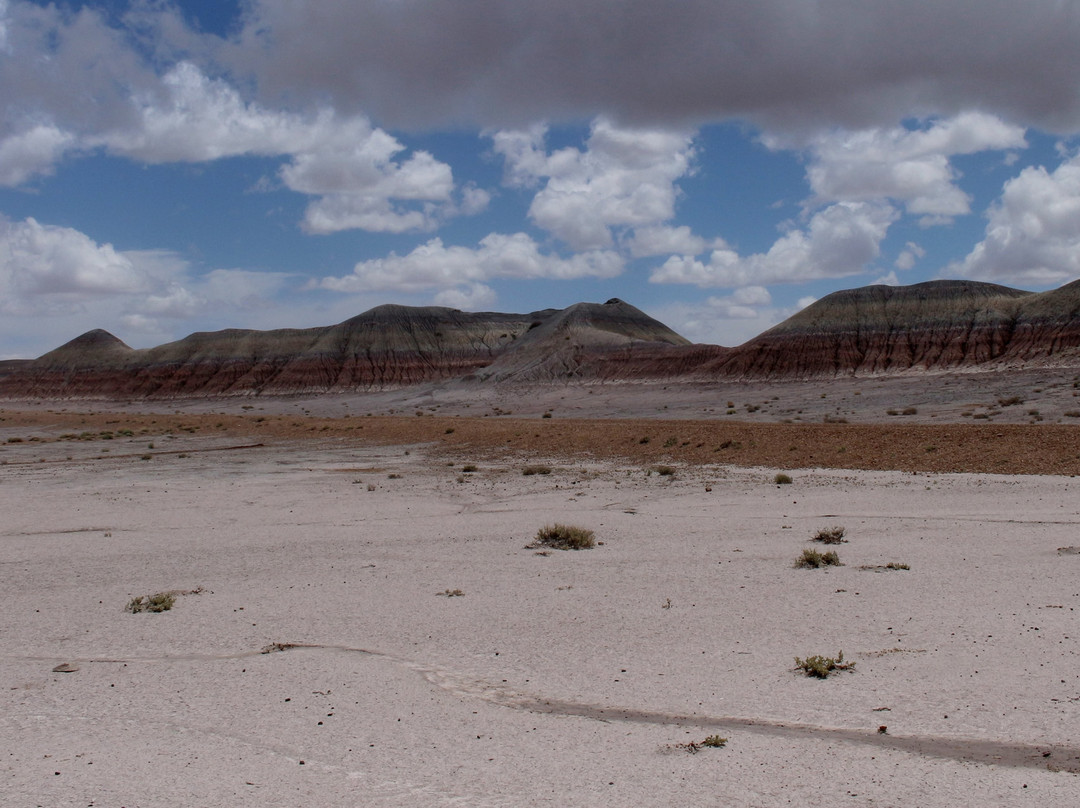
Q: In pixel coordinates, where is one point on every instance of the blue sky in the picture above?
(175, 167)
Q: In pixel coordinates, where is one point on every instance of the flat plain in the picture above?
(358, 619)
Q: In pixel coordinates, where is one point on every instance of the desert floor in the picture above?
(319, 651)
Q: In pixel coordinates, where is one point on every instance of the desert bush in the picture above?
(896, 565)
(469, 468)
(530, 471)
(911, 411)
(564, 537)
(812, 559)
(782, 479)
(161, 602)
(715, 742)
(1009, 401)
(665, 471)
(820, 667)
(451, 593)
(830, 535)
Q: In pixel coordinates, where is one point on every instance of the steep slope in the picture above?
(386, 347)
(882, 329)
(588, 341)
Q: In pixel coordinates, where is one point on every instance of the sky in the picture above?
(173, 167)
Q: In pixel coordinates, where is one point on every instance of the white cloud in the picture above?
(434, 266)
(663, 240)
(725, 320)
(840, 240)
(31, 152)
(51, 275)
(1033, 232)
(362, 176)
(907, 165)
(347, 163)
(625, 178)
(909, 256)
(473, 297)
(44, 260)
(888, 279)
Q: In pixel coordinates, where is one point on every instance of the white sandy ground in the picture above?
(561, 680)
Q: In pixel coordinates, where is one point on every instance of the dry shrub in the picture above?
(564, 537)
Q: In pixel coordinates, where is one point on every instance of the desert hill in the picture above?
(933, 326)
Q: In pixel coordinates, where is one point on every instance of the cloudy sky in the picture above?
(170, 167)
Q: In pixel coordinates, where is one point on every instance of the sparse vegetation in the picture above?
(469, 468)
(693, 747)
(564, 537)
(812, 559)
(451, 593)
(530, 471)
(830, 535)
(896, 565)
(821, 667)
(782, 479)
(665, 471)
(161, 602)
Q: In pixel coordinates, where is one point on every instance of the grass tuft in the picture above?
(812, 559)
(830, 535)
(821, 667)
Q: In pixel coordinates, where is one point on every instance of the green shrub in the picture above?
(812, 559)
(830, 535)
(564, 537)
(896, 565)
(782, 479)
(715, 742)
(820, 667)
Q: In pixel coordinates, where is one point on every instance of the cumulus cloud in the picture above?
(473, 297)
(50, 271)
(907, 165)
(664, 240)
(44, 260)
(909, 256)
(1033, 230)
(506, 63)
(839, 240)
(726, 319)
(31, 152)
(434, 266)
(360, 175)
(624, 178)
